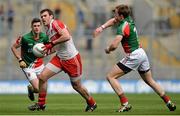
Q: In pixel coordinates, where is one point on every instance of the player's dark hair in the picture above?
(47, 10)
(35, 20)
(123, 10)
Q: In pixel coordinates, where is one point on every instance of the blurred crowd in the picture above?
(6, 18)
(82, 16)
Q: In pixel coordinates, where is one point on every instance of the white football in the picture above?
(38, 50)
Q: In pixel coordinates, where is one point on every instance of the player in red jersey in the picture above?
(135, 59)
(67, 59)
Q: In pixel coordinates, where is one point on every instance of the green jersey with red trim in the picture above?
(27, 43)
(127, 29)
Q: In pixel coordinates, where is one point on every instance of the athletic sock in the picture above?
(166, 98)
(123, 99)
(91, 101)
(42, 98)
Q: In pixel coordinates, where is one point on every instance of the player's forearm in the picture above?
(61, 39)
(114, 44)
(109, 23)
(112, 47)
(16, 52)
(65, 36)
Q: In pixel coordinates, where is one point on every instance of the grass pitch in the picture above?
(73, 104)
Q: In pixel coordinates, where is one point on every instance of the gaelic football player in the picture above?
(30, 64)
(135, 59)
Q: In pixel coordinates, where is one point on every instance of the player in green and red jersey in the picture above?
(135, 59)
(30, 64)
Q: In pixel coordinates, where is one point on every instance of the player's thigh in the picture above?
(115, 72)
(35, 83)
(39, 70)
(46, 74)
(29, 73)
(53, 67)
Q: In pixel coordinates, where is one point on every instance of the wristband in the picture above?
(108, 48)
(52, 43)
(20, 59)
(103, 27)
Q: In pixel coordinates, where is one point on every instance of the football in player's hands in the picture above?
(38, 50)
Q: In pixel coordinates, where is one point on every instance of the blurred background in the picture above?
(157, 21)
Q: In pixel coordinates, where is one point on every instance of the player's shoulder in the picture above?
(123, 24)
(27, 35)
(42, 34)
(58, 23)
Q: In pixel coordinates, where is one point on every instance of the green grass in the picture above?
(73, 104)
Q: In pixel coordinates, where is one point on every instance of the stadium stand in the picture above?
(162, 46)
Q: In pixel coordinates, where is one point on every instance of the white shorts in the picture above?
(137, 60)
(31, 73)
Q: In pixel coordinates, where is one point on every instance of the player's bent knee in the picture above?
(109, 77)
(143, 72)
(76, 86)
(42, 80)
(43, 77)
(124, 68)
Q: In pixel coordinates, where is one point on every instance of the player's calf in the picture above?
(30, 93)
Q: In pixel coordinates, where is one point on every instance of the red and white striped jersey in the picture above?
(65, 50)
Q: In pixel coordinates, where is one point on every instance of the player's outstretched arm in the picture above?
(100, 29)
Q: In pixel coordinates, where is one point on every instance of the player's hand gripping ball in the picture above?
(38, 50)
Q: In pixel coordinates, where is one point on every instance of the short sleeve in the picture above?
(123, 29)
(58, 25)
(119, 30)
(19, 41)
